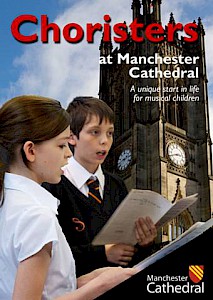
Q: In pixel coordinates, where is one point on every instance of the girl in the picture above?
(35, 259)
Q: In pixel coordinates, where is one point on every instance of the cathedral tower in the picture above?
(162, 144)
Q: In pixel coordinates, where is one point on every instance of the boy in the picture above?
(81, 212)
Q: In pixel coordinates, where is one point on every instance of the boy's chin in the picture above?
(54, 180)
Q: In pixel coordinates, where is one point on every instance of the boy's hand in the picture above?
(145, 231)
(120, 254)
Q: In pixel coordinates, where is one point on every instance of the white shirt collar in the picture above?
(37, 193)
(78, 175)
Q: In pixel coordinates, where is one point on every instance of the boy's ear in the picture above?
(72, 140)
(29, 150)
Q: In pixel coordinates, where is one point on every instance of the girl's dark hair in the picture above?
(81, 109)
(28, 118)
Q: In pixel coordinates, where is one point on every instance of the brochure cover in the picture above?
(63, 49)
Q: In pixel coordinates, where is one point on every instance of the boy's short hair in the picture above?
(81, 110)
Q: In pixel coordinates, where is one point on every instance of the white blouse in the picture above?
(28, 222)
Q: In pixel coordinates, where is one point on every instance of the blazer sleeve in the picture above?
(88, 258)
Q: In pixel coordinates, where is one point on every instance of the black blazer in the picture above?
(81, 220)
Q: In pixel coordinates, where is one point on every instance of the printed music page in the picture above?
(139, 203)
(193, 232)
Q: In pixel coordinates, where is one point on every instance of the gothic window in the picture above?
(174, 109)
(122, 110)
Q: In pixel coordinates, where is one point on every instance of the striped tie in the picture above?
(93, 185)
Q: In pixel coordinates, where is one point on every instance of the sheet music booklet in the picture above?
(140, 203)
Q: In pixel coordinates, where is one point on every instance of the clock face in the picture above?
(124, 159)
(176, 154)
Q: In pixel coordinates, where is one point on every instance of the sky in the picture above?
(63, 71)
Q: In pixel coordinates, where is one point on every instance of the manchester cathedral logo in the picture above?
(191, 283)
(196, 273)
